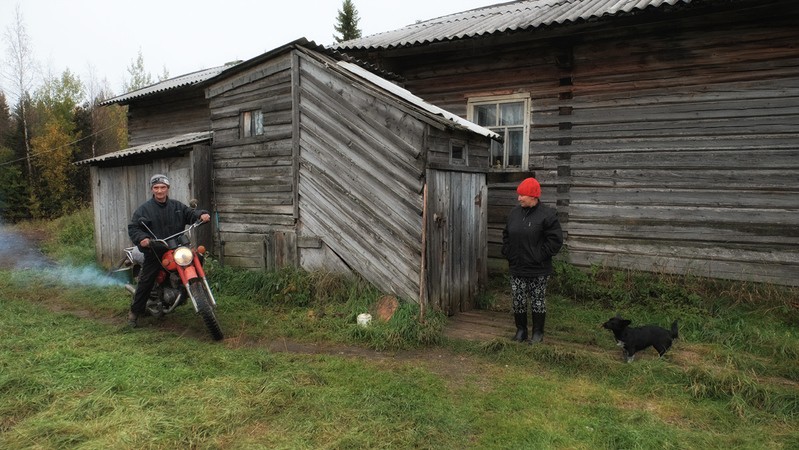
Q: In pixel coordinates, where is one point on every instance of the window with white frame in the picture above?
(508, 116)
(252, 123)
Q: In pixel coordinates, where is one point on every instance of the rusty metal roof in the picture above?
(499, 18)
(172, 83)
(152, 147)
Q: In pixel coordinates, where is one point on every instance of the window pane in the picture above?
(515, 146)
(259, 123)
(246, 124)
(496, 154)
(457, 152)
(486, 115)
(511, 113)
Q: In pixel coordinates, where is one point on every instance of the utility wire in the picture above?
(43, 152)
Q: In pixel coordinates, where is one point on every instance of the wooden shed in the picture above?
(169, 132)
(321, 164)
(666, 132)
(120, 183)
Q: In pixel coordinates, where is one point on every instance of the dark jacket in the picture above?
(532, 236)
(163, 219)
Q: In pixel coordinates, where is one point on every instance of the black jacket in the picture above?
(164, 219)
(532, 236)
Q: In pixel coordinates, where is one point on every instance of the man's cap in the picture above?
(159, 179)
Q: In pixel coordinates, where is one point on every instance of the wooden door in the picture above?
(456, 239)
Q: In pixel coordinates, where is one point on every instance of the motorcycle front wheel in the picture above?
(205, 310)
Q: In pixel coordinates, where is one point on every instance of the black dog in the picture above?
(634, 339)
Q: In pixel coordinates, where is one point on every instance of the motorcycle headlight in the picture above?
(183, 256)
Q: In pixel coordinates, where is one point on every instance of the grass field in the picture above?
(296, 372)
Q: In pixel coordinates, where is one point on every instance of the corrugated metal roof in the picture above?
(152, 147)
(172, 83)
(450, 119)
(503, 17)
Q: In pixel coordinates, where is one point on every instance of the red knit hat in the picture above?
(529, 187)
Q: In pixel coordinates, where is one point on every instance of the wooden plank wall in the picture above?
(678, 152)
(253, 179)
(361, 177)
(118, 190)
(668, 142)
(200, 188)
(181, 112)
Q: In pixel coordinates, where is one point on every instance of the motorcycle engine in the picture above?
(170, 295)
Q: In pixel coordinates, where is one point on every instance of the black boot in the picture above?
(538, 327)
(521, 326)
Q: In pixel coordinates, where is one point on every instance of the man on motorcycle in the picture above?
(163, 217)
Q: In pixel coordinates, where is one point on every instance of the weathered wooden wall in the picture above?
(253, 177)
(181, 112)
(336, 181)
(680, 152)
(668, 142)
(361, 178)
(118, 190)
(364, 159)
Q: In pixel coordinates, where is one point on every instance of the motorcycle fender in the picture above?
(186, 274)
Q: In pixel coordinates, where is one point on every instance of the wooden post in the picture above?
(423, 268)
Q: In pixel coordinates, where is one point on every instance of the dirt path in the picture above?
(20, 250)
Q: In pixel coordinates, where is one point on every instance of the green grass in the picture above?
(72, 376)
(295, 371)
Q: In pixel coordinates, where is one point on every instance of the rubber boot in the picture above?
(538, 327)
(521, 327)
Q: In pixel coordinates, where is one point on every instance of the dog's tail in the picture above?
(674, 334)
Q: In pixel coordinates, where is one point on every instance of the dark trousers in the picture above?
(149, 271)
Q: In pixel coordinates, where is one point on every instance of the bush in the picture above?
(71, 238)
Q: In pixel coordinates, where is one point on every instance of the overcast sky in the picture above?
(99, 39)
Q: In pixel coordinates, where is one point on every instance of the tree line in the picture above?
(48, 122)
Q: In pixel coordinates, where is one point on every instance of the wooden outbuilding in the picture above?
(321, 164)
(666, 132)
(120, 183)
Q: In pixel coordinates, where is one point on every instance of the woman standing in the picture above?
(532, 236)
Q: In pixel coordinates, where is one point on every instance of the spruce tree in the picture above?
(347, 19)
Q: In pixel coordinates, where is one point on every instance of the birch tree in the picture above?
(19, 71)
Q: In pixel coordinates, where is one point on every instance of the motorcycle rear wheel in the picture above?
(205, 310)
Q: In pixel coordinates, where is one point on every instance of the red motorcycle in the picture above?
(182, 276)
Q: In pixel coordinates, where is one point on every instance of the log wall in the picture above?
(668, 142)
(181, 112)
(253, 191)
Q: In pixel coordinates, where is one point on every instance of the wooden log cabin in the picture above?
(666, 132)
(309, 160)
